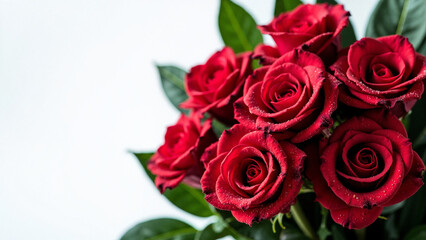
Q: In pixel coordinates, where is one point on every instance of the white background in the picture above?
(78, 90)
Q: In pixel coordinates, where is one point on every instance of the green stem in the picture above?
(402, 18)
(302, 221)
(306, 190)
(360, 234)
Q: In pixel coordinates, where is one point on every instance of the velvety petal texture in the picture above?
(252, 174)
(293, 95)
(315, 28)
(178, 159)
(367, 164)
(381, 73)
(214, 86)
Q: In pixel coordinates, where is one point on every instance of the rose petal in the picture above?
(355, 218)
(360, 199)
(403, 47)
(209, 183)
(412, 182)
(358, 50)
(231, 137)
(243, 115)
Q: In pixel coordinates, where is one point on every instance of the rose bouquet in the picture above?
(317, 136)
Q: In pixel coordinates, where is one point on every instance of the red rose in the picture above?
(251, 174)
(367, 164)
(294, 95)
(214, 86)
(266, 54)
(383, 72)
(316, 27)
(178, 159)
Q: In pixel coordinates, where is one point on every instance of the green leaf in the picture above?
(413, 211)
(348, 35)
(262, 230)
(417, 233)
(258, 231)
(212, 233)
(189, 199)
(293, 234)
(404, 17)
(218, 127)
(182, 195)
(143, 159)
(323, 231)
(391, 228)
(337, 232)
(332, 2)
(161, 229)
(172, 81)
(417, 129)
(285, 6)
(422, 48)
(421, 139)
(238, 29)
(393, 208)
(424, 158)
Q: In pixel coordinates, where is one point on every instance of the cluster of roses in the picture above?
(310, 110)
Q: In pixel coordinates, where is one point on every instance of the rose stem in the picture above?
(360, 234)
(302, 222)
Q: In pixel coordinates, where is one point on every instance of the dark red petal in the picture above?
(412, 182)
(266, 54)
(257, 76)
(191, 86)
(360, 199)
(403, 47)
(355, 218)
(347, 98)
(209, 154)
(163, 183)
(324, 119)
(340, 67)
(231, 84)
(289, 41)
(290, 189)
(243, 115)
(231, 171)
(206, 138)
(387, 121)
(209, 182)
(359, 49)
(323, 192)
(387, 72)
(244, 63)
(401, 145)
(231, 138)
(360, 124)
(254, 101)
(233, 168)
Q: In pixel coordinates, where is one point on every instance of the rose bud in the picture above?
(178, 159)
(367, 164)
(315, 27)
(214, 86)
(252, 174)
(381, 73)
(295, 95)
